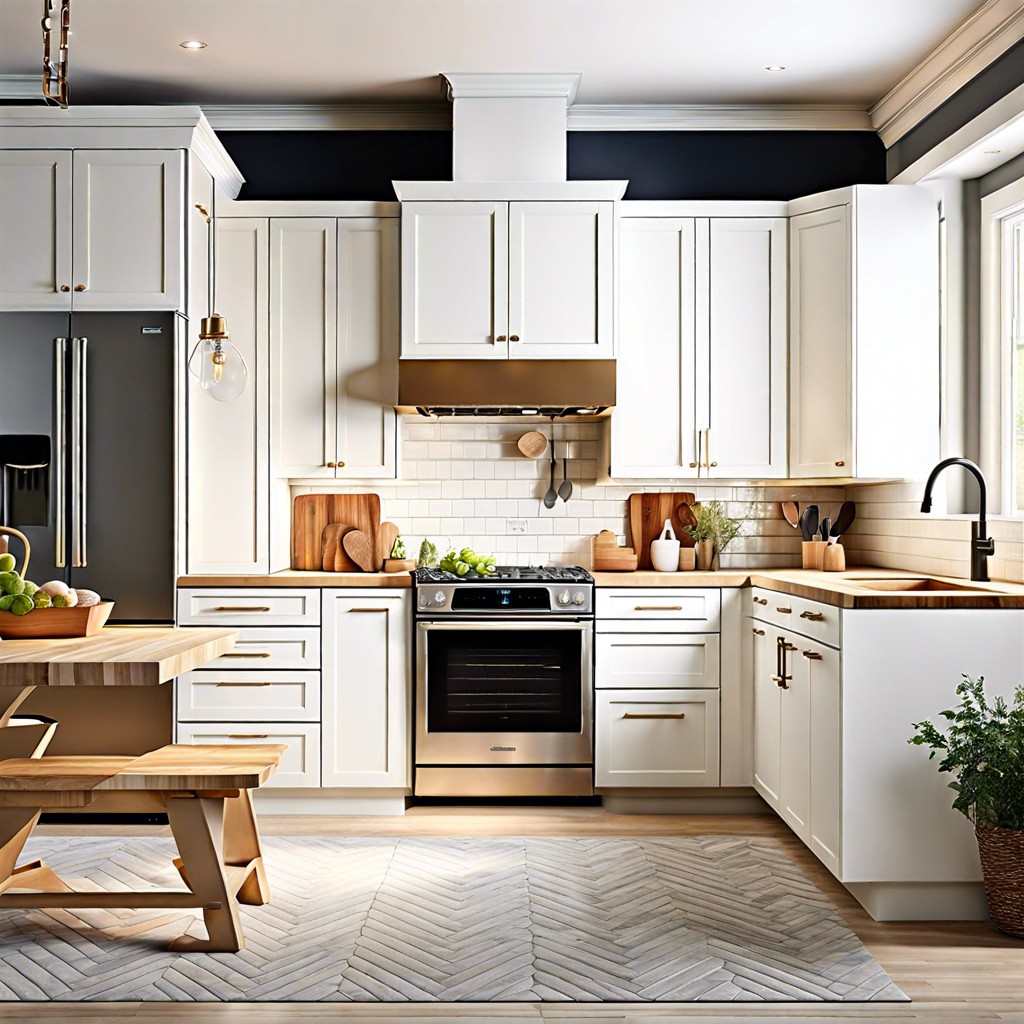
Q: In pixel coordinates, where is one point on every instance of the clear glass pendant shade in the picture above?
(216, 363)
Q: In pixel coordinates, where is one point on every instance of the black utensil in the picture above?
(847, 514)
(826, 525)
(809, 522)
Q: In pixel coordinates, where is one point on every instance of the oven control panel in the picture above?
(505, 598)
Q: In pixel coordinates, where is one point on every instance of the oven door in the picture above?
(504, 693)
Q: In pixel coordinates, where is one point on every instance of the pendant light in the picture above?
(215, 362)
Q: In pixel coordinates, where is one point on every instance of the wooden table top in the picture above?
(116, 656)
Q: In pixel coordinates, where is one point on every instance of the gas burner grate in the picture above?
(504, 573)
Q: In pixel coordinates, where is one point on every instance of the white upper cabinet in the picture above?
(334, 346)
(500, 280)
(455, 280)
(92, 229)
(560, 280)
(864, 333)
(702, 348)
(35, 229)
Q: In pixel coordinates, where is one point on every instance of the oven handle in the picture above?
(577, 625)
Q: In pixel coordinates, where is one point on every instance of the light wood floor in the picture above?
(955, 973)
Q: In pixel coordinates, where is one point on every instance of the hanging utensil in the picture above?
(791, 513)
(809, 522)
(565, 489)
(847, 514)
(552, 495)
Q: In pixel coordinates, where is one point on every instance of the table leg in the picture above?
(242, 847)
(16, 825)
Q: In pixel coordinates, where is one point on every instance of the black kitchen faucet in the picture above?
(981, 545)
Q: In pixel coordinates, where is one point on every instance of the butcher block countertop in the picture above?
(115, 656)
(302, 578)
(859, 587)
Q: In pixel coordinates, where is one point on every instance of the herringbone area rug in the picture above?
(681, 919)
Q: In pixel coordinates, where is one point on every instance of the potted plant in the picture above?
(983, 748)
(713, 531)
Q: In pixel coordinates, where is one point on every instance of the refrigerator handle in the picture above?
(79, 482)
(60, 453)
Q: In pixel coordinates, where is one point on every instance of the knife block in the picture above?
(834, 559)
(813, 553)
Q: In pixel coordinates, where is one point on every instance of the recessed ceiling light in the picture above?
(775, 67)
(193, 44)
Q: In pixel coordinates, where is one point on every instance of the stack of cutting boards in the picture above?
(342, 533)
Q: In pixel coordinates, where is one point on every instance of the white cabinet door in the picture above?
(367, 348)
(795, 775)
(657, 660)
(826, 807)
(455, 280)
(821, 340)
(366, 688)
(303, 350)
(767, 716)
(128, 229)
(560, 272)
(661, 738)
(742, 346)
(35, 229)
(653, 422)
(227, 479)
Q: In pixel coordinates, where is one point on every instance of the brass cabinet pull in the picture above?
(811, 655)
(658, 608)
(65, 288)
(840, 463)
(203, 210)
(248, 736)
(369, 610)
(501, 337)
(652, 714)
(787, 646)
(760, 600)
(341, 465)
(785, 611)
(242, 608)
(758, 632)
(693, 465)
(780, 681)
(331, 465)
(241, 682)
(812, 616)
(239, 654)
(513, 337)
(80, 287)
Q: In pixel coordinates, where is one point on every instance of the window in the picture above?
(1013, 339)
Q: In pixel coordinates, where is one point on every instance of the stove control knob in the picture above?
(563, 597)
(578, 597)
(439, 597)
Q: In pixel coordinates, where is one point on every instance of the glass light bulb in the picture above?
(219, 367)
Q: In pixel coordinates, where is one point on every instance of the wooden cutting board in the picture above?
(335, 558)
(312, 512)
(359, 547)
(647, 515)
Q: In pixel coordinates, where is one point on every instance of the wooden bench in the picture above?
(206, 793)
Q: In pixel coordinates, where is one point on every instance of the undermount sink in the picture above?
(904, 585)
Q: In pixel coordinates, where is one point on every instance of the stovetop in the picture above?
(507, 573)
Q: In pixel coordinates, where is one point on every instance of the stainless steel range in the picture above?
(504, 683)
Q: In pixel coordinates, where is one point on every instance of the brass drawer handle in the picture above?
(651, 714)
(760, 600)
(812, 616)
(513, 337)
(840, 463)
(239, 654)
(811, 655)
(787, 646)
(248, 736)
(500, 338)
(80, 287)
(241, 608)
(658, 608)
(364, 611)
(226, 682)
(780, 682)
(758, 632)
(785, 611)
(331, 465)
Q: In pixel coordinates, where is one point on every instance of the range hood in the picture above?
(577, 388)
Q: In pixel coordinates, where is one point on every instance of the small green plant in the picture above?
(983, 749)
(713, 524)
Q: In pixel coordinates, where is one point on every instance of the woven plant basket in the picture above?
(1002, 864)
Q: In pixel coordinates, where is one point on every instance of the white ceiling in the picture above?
(374, 51)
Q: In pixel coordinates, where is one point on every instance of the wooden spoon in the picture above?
(687, 518)
(358, 547)
(791, 513)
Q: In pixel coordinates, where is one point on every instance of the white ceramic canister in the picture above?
(665, 550)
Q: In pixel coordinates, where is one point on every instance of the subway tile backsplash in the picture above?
(463, 480)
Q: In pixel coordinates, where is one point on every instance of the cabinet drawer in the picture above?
(657, 660)
(247, 696)
(809, 618)
(245, 606)
(267, 649)
(665, 738)
(685, 608)
(300, 763)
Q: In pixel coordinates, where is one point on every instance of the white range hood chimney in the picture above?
(509, 127)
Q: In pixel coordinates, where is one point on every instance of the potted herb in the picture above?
(713, 531)
(983, 748)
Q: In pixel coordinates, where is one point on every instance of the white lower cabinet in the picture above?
(300, 763)
(366, 694)
(767, 716)
(219, 696)
(646, 661)
(657, 738)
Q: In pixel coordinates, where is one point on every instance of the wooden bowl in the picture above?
(533, 444)
(55, 623)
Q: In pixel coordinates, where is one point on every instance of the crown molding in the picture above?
(966, 51)
(717, 117)
(329, 117)
(21, 87)
(511, 85)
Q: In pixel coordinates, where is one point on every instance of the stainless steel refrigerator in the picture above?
(87, 452)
